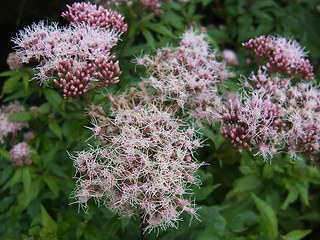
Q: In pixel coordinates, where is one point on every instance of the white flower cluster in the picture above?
(144, 161)
(50, 44)
(188, 75)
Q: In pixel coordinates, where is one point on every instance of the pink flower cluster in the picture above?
(20, 154)
(272, 115)
(187, 75)
(144, 161)
(8, 127)
(282, 55)
(95, 16)
(78, 57)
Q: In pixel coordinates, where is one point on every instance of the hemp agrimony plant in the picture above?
(177, 133)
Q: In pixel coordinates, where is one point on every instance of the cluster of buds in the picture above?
(144, 161)
(75, 80)
(95, 16)
(187, 75)
(273, 115)
(282, 55)
(79, 55)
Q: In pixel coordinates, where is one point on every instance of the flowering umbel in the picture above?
(282, 55)
(273, 114)
(188, 75)
(78, 56)
(144, 161)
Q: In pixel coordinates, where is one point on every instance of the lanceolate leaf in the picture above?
(297, 234)
(268, 222)
(47, 222)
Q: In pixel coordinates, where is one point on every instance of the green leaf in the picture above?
(5, 203)
(211, 218)
(26, 80)
(191, 9)
(54, 127)
(148, 36)
(6, 173)
(208, 234)
(21, 117)
(207, 132)
(54, 99)
(50, 156)
(10, 84)
(250, 162)
(157, 27)
(16, 95)
(51, 182)
(73, 128)
(8, 73)
(111, 228)
(211, 41)
(297, 234)
(292, 195)
(247, 183)
(175, 20)
(240, 221)
(47, 222)
(303, 191)
(5, 153)
(26, 179)
(268, 222)
(80, 229)
(17, 177)
(204, 192)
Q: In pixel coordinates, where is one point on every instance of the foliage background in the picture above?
(241, 197)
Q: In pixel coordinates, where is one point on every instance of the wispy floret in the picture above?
(282, 55)
(144, 162)
(77, 56)
(272, 115)
(187, 75)
(253, 121)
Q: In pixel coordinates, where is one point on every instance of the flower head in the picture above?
(143, 161)
(95, 16)
(20, 154)
(77, 57)
(188, 75)
(282, 55)
(273, 115)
